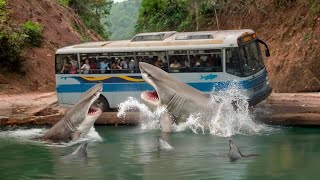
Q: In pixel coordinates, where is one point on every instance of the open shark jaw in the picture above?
(151, 97)
(94, 111)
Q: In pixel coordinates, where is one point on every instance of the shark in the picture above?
(179, 99)
(78, 154)
(163, 145)
(234, 152)
(78, 120)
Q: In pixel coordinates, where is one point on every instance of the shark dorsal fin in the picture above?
(234, 152)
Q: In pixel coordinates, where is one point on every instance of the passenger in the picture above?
(131, 66)
(124, 63)
(158, 63)
(74, 66)
(66, 69)
(104, 66)
(210, 62)
(184, 65)
(175, 66)
(73, 69)
(115, 65)
(197, 63)
(85, 67)
(93, 66)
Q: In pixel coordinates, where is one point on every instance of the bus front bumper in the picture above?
(260, 97)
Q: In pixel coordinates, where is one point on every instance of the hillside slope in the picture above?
(61, 27)
(292, 30)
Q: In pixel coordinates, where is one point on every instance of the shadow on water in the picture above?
(131, 153)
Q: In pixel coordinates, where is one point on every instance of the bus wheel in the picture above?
(102, 103)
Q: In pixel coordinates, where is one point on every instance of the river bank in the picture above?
(288, 109)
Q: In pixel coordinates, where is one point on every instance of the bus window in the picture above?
(233, 62)
(208, 60)
(122, 62)
(178, 61)
(156, 58)
(89, 63)
(251, 58)
(66, 64)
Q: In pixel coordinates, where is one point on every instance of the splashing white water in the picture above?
(32, 134)
(148, 119)
(230, 115)
(233, 115)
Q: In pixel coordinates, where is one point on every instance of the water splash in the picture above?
(230, 115)
(149, 119)
(233, 114)
(32, 134)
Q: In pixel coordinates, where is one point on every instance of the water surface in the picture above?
(131, 153)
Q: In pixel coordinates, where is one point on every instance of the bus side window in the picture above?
(233, 62)
(66, 64)
(178, 61)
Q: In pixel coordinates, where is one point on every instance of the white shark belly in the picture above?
(86, 125)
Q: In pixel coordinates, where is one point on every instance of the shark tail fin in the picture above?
(202, 77)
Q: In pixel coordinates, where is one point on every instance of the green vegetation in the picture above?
(13, 38)
(162, 15)
(34, 33)
(179, 15)
(64, 2)
(11, 42)
(91, 12)
(123, 18)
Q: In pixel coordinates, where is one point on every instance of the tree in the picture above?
(91, 12)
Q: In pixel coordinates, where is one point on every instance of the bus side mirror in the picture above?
(267, 53)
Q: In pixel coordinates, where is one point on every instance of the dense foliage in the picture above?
(91, 12)
(34, 33)
(11, 42)
(179, 15)
(13, 38)
(123, 17)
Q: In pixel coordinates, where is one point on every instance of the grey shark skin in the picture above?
(78, 120)
(79, 154)
(163, 145)
(234, 152)
(179, 99)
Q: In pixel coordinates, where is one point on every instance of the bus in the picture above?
(205, 60)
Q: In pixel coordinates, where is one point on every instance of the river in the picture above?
(131, 153)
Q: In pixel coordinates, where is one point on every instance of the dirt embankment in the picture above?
(292, 31)
(61, 27)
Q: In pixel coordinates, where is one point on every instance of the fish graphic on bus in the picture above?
(209, 77)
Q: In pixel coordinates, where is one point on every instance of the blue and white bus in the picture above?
(203, 60)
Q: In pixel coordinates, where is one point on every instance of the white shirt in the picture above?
(85, 68)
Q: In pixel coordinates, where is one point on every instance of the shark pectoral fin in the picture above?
(166, 122)
(75, 136)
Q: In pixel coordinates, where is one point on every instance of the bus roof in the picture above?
(163, 41)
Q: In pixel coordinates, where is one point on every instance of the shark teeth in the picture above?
(150, 95)
(94, 111)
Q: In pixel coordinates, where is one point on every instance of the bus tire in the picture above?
(103, 103)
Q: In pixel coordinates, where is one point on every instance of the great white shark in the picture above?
(179, 99)
(78, 154)
(78, 120)
(234, 152)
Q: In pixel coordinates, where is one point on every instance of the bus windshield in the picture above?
(244, 60)
(251, 59)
